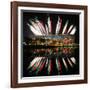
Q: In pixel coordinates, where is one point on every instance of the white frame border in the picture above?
(52, 78)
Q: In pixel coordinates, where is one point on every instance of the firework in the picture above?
(38, 28)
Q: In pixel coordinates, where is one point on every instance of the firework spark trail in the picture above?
(40, 66)
(49, 25)
(65, 27)
(36, 26)
(41, 26)
(50, 66)
(36, 68)
(60, 31)
(34, 61)
(34, 64)
(37, 63)
(73, 31)
(70, 29)
(58, 26)
(70, 63)
(47, 31)
(73, 60)
(46, 63)
(35, 31)
(58, 65)
(65, 64)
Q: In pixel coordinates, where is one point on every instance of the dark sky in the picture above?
(42, 16)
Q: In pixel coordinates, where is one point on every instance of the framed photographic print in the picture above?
(48, 44)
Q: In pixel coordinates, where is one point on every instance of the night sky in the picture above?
(27, 34)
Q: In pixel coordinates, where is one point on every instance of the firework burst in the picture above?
(60, 61)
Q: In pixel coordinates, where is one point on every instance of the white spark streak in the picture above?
(41, 26)
(42, 65)
(70, 62)
(35, 25)
(73, 31)
(47, 31)
(49, 25)
(46, 63)
(65, 27)
(65, 64)
(34, 61)
(49, 66)
(38, 63)
(58, 26)
(70, 28)
(35, 31)
(57, 64)
(73, 60)
(35, 67)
